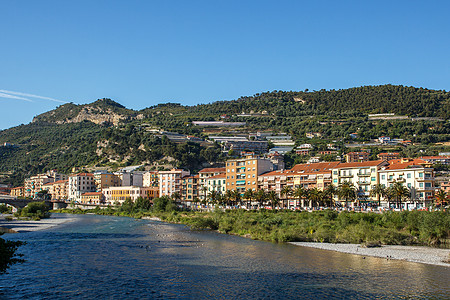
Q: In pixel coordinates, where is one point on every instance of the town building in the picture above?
(415, 174)
(216, 183)
(150, 179)
(170, 182)
(79, 184)
(34, 184)
(203, 175)
(94, 198)
(105, 179)
(441, 159)
(18, 192)
(242, 174)
(387, 156)
(58, 189)
(118, 195)
(362, 175)
(190, 189)
(132, 178)
(356, 157)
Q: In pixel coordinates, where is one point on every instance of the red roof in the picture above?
(322, 167)
(219, 176)
(212, 170)
(370, 163)
(398, 164)
(92, 194)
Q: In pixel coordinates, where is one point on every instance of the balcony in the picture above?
(429, 178)
(363, 182)
(364, 174)
(346, 176)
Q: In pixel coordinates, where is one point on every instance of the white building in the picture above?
(170, 181)
(216, 183)
(416, 175)
(79, 184)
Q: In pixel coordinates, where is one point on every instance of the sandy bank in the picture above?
(25, 226)
(426, 255)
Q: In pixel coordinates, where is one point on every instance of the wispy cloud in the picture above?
(3, 95)
(16, 95)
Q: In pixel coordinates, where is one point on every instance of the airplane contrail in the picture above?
(31, 95)
(3, 95)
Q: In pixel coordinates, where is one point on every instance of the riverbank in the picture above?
(15, 225)
(425, 255)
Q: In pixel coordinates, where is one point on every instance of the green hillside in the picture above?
(78, 135)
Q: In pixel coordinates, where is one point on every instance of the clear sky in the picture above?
(141, 53)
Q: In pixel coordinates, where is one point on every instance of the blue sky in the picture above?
(141, 53)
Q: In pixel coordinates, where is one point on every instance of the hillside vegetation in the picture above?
(105, 133)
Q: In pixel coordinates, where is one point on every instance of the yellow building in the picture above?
(92, 198)
(119, 194)
(18, 191)
(242, 174)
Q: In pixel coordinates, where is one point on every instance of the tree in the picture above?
(315, 196)
(176, 197)
(213, 197)
(347, 191)
(329, 192)
(286, 191)
(273, 198)
(143, 203)
(441, 198)
(379, 191)
(301, 194)
(261, 197)
(399, 192)
(249, 195)
(8, 255)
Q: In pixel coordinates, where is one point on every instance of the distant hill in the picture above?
(102, 111)
(105, 133)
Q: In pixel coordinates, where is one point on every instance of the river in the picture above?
(108, 257)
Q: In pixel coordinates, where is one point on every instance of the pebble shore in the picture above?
(26, 226)
(425, 255)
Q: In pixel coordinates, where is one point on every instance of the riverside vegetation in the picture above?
(390, 228)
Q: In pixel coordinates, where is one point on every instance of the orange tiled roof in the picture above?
(218, 176)
(398, 164)
(322, 167)
(212, 170)
(92, 194)
(369, 163)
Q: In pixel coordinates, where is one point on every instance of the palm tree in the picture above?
(400, 192)
(213, 197)
(176, 197)
(378, 190)
(260, 197)
(347, 191)
(441, 198)
(329, 192)
(228, 197)
(236, 196)
(273, 198)
(249, 195)
(315, 196)
(301, 193)
(286, 191)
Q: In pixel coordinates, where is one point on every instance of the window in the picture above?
(383, 177)
(372, 170)
(408, 175)
(421, 184)
(334, 180)
(335, 172)
(409, 185)
(373, 179)
(420, 175)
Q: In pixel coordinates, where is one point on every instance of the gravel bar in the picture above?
(425, 255)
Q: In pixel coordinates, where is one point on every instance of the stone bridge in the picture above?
(21, 203)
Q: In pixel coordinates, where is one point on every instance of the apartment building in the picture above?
(79, 184)
(170, 182)
(34, 184)
(132, 178)
(150, 179)
(387, 156)
(118, 194)
(415, 174)
(356, 157)
(204, 174)
(363, 175)
(18, 191)
(105, 179)
(94, 198)
(58, 189)
(190, 189)
(216, 183)
(314, 175)
(242, 174)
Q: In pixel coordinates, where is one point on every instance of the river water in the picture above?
(108, 257)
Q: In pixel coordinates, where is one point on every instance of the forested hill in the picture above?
(105, 133)
(411, 101)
